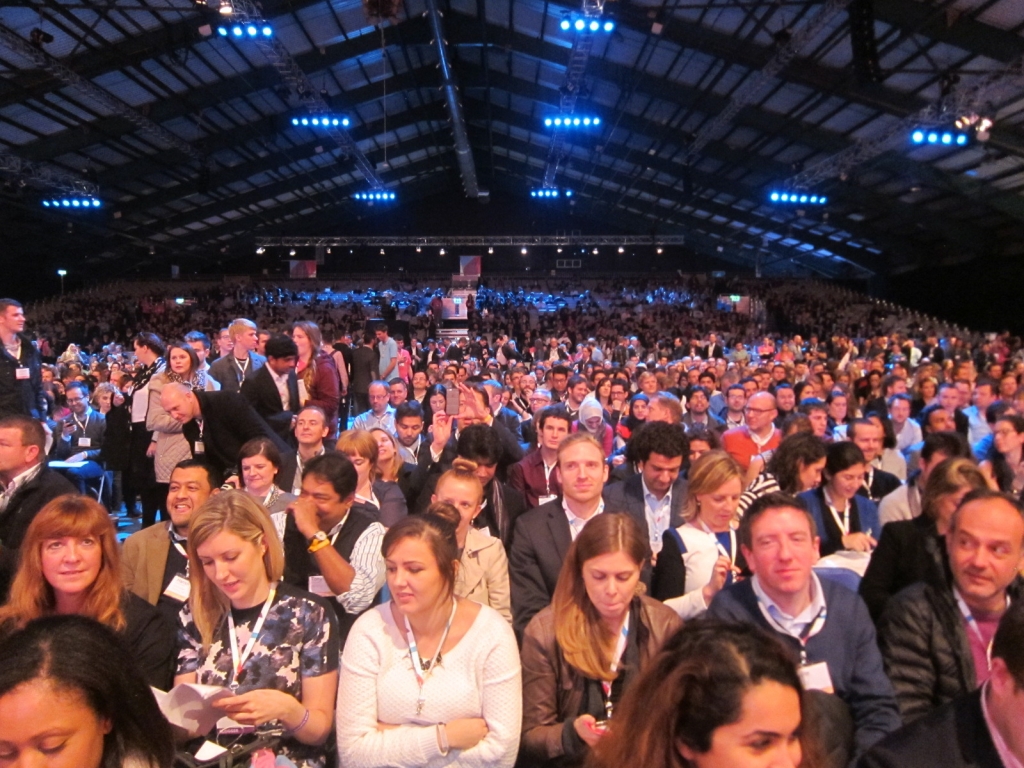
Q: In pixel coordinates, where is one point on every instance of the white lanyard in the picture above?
(869, 476)
(844, 521)
(809, 631)
(236, 660)
(731, 553)
(242, 369)
(423, 672)
(620, 649)
(973, 624)
(547, 476)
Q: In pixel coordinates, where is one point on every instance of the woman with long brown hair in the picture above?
(70, 564)
(319, 381)
(585, 649)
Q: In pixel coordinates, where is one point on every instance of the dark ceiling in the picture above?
(705, 107)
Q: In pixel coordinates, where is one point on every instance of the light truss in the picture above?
(470, 240)
(964, 99)
(246, 12)
(48, 176)
(49, 64)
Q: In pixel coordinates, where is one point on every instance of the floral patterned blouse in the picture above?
(298, 639)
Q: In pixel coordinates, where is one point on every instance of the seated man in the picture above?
(657, 493)
(904, 503)
(79, 437)
(26, 486)
(311, 429)
(154, 561)
(825, 623)
(758, 435)
(535, 476)
(381, 415)
(409, 431)
(935, 637)
(978, 730)
(331, 550)
(868, 436)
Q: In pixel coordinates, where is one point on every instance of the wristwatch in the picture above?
(319, 541)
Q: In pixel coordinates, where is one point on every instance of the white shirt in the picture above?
(19, 480)
(576, 523)
(792, 625)
(659, 514)
(281, 382)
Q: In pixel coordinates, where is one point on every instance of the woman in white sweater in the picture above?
(428, 679)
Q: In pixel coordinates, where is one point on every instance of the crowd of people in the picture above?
(628, 527)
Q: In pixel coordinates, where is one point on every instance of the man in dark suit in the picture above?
(217, 424)
(980, 730)
(27, 486)
(712, 349)
(868, 436)
(543, 535)
(364, 373)
(273, 391)
(80, 437)
(21, 367)
(242, 362)
(657, 494)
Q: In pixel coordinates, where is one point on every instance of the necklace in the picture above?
(423, 668)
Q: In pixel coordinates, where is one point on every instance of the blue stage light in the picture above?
(548, 122)
(595, 25)
(609, 26)
(222, 31)
(236, 31)
(775, 197)
(568, 193)
(565, 25)
(961, 139)
(933, 138)
(597, 121)
(251, 31)
(46, 203)
(947, 138)
(580, 25)
(268, 32)
(316, 121)
(917, 137)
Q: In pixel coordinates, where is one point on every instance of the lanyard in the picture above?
(547, 476)
(869, 476)
(620, 649)
(731, 553)
(813, 628)
(336, 530)
(238, 661)
(177, 545)
(844, 521)
(88, 416)
(421, 670)
(242, 369)
(973, 624)
(272, 496)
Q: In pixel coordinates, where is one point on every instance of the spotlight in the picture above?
(261, 250)
(580, 25)
(291, 252)
(595, 25)
(523, 251)
(621, 249)
(418, 249)
(792, 197)
(917, 137)
(222, 31)
(609, 26)
(659, 250)
(566, 121)
(251, 31)
(226, 9)
(594, 251)
(547, 122)
(442, 251)
(550, 193)
(565, 24)
(490, 250)
(236, 31)
(268, 32)
(322, 121)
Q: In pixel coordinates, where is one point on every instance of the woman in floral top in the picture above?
(275, 646)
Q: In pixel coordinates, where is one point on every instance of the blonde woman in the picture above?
(275, 646)
(378, 499)
(585, 649)
(701, 556)
(483, 576)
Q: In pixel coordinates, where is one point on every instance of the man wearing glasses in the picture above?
(79, 437)
(758, 435)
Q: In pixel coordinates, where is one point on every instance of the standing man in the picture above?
(364, 372)
(154, 561)
(387, 349)
(140, 478)
(21, 367)
(232, 369)
(273, 391)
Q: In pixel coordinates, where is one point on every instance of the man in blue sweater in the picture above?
(826, 624)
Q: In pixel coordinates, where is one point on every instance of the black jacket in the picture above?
(925, 647)
(261, 392)
(20, 511)
(954, 736)
(364, 369)
(908, 551)
(228, 423)
(22, 396)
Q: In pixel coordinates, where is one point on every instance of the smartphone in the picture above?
(451, 403)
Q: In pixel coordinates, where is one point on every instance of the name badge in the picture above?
(815, 677)
(85, 442)
(318, 586)
(179, 588)
(22, 374)
(545, 499)
(200, 448)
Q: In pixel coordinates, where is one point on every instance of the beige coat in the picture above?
(483, 575)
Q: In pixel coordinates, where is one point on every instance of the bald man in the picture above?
(217, 424)
(758, 435)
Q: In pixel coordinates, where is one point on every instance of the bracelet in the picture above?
(318, 544)
(442, 740)
(301, 725)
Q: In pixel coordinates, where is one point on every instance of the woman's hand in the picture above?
(261, 707)
(586, 728)
(718, 576)
(859, 542)
(466, 733)
(151, 450)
